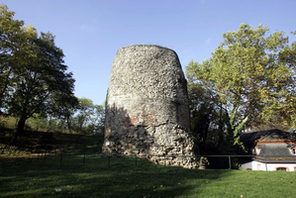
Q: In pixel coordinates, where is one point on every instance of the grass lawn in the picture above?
(72, 175)
(127, 177)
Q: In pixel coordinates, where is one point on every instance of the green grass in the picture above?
(22, 174)
(44, 142)
(126, 177)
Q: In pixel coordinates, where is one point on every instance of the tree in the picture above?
(209, 121)
(37, 74)
(11, 37)
(97, 124)
(253, 75)
(85, 110)
(89, 117)
(63, 108)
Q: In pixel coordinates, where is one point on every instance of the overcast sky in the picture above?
(91, 31)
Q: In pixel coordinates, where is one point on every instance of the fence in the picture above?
(63, 159)
(228, 157)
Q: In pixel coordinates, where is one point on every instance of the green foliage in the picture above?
(42, 124)
(210, 121)
(7, 122)
(86, 118)
(10, 39)
(251, 75)
(29, 144)
(34, 77)
(89, 118)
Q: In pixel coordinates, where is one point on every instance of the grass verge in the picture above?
(94, 176)
(67, 165)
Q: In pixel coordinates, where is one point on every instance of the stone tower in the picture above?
(147, 112)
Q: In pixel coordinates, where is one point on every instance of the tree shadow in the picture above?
(96, 179)
(72, 175)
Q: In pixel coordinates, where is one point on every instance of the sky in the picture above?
(91, 31)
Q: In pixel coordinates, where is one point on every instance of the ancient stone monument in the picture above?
(147, 111)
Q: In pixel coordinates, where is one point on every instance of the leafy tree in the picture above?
(11, 37)
(89, 117)
(209, 121)
(63, 108)
(34, 69)
(66, 115)
(253, 75)
(97, 124)
(83, 115)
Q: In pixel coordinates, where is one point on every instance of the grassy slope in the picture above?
(128, 177)
(44, 142)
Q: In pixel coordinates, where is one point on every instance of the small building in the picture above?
(273, 150)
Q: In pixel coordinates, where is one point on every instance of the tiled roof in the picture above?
(275, 153)
(268, 135)
(273, 144)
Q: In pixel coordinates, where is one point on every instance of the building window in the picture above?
(257, 150)
(258, 166)
(281, 168)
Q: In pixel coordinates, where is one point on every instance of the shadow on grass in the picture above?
(48, 142)
(122, 177)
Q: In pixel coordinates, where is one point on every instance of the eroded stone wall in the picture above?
(147, 107)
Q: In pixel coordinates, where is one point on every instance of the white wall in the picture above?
(255, 165)
(246, 166)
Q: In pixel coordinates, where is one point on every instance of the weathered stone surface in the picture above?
(147, 107)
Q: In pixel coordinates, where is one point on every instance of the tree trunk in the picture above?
(69, 125)
(19, 129)
(220, 129)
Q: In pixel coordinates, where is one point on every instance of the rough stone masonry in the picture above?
(147, 112)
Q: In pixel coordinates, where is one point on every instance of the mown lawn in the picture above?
(74, 176)
(85, 173)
